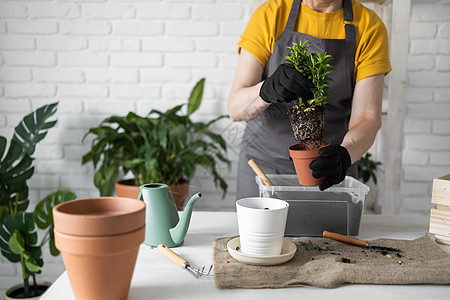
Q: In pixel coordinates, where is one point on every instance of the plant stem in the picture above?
(16, 202)
(45, 239)
(26, 285)
(34, 285)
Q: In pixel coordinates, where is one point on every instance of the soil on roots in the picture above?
(308, 126)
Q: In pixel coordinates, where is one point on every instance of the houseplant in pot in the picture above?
(161, 147)
(367, 169)
(307, 115)
(19, 243)
(18, 238)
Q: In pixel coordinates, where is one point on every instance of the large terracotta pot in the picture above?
(126, 188)
(99, 240)
(302, 157)
(17, 291)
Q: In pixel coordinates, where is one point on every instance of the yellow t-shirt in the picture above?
(269, 21)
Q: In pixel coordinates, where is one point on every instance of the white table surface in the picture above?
(156, 277)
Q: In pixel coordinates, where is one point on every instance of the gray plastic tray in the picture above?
(311, 211)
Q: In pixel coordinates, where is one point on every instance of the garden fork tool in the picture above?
(182, 262)
(355, 241)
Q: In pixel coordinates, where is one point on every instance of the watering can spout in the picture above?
(179, 231)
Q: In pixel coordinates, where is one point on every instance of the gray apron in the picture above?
(267, 137)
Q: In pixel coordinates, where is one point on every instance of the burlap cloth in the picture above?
(420, 261)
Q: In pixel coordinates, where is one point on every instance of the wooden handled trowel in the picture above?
(259, 172)
(355, 241)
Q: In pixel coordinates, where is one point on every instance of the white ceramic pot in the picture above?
(261, 223)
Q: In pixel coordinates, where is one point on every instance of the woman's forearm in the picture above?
(365, 120)
(244, 103)
(360, 138)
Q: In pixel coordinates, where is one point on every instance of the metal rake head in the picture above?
(199, 271)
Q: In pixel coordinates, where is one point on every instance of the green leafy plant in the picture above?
(310, 245)
(315, 67)
(367, 168)
(307, 116)
(16, 167)
(19, 238)
(162, 147)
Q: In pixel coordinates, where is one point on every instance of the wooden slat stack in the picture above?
(440, 214)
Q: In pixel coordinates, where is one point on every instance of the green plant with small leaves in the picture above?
(316, 67)
(310, 245)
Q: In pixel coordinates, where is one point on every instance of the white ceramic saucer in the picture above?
(287, 253)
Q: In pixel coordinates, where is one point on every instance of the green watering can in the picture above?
(162, 223)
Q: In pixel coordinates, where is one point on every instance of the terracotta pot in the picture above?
(302, 157)
(99, 241)
(16, 292)
(179, 194)
(126, 188)
(100, 216)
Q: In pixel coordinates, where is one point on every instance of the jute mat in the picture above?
(420, 261)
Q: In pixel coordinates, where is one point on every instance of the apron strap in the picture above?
(350, 32)
(348, 18)
(348, 21)
(290, 25)
(350, 36)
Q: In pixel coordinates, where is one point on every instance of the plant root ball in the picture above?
(307, 124)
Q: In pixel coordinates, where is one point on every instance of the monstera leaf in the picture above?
(34, 127)
(16, 166)
(19, 240)
(43, 214)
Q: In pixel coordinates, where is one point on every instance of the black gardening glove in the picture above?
(333, 165)
(285, 85)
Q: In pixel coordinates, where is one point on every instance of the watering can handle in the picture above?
(259, 172)
(172, 255)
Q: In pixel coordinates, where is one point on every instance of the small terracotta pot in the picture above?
(302, 157)
(126, 188)
(99, 241)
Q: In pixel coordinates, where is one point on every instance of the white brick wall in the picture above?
(427, 121)
(102, 57)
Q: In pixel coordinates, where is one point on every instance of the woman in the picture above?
(263, 86)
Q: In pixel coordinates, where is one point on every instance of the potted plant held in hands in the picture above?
(307, 115)
(162, 147)
(18, 236)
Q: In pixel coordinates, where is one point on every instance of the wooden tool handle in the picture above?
(259, 172)
(344, 238)
(172, 255)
